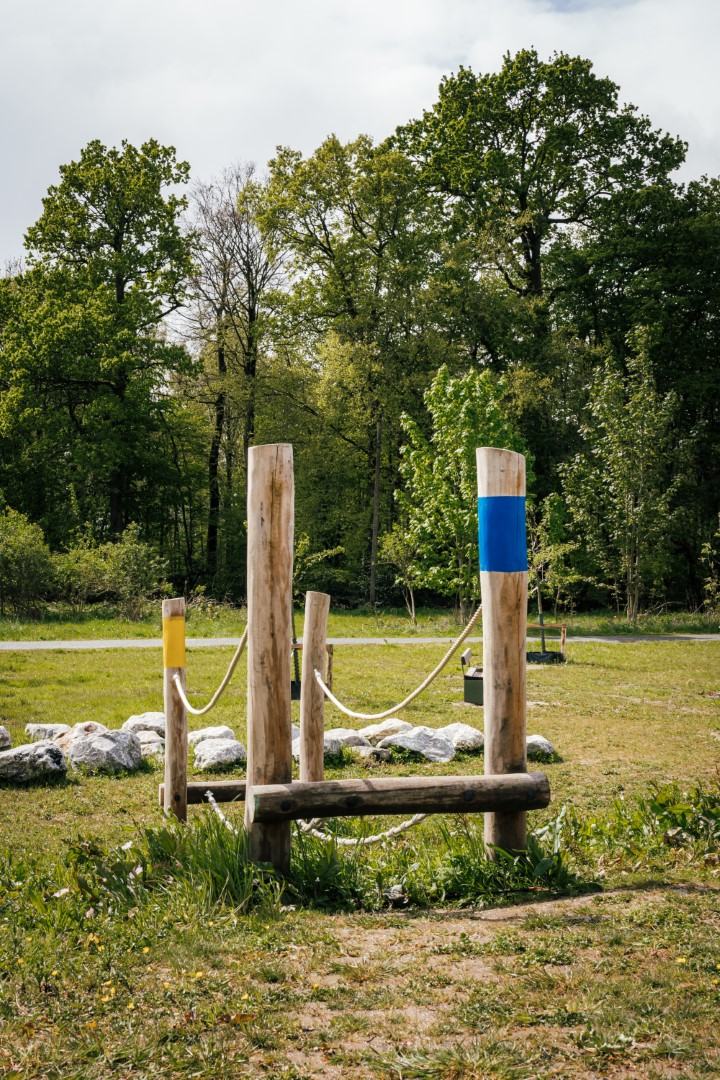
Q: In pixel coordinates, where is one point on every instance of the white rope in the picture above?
(221, 688)
(411, 697)
(308, 827)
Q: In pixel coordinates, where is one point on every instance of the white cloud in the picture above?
(229, 79)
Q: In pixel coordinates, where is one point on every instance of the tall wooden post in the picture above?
(312, 699)
(176, 740)
(503, 586)
(270, 511)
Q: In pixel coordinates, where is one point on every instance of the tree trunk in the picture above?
(213, 470)
(375, 512)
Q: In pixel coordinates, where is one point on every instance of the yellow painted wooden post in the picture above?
(176, 751)
(503, 586)
(269, 605)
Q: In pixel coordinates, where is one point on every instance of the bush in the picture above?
(134, 572)
(26, 570)
(80, 574)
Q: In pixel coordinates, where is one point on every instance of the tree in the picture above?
(83, 361)
(238, 269)
(361, 234)
(619, 489)
(26, 572)
(439, 498)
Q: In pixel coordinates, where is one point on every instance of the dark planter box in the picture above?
(473, 688)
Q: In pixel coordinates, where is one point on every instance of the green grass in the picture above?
(175, 957)
(58, 622)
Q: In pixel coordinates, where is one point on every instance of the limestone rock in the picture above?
(40, 732)
(5, 740)
(66, 738)
(424, 741)
(347, 736)
(219, 753)
(331, 747)
(31, 762)
(463, 737)
(375, 733)
(147, 721)
(106, 751)
(151, 744)
(220, 731)
(539, 747)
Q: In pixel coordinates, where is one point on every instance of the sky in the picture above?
(226, 81)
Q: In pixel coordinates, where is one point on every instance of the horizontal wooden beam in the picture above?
(399, 795)
(221, 790)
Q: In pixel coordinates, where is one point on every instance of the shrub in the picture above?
(26, 571)
(80, 574)
(134, 572)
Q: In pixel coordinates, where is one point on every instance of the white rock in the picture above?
(294, 732)
(32, 761)
(463, 737)
(331, 747)
(539, 747)
(346, 736)
(374, 733)
(5, 740)
(105, 751)
(221, 731)
(66, 738)
(218, 753)
(421, 740)
(147, 721)
(40, 732)
(151, 744)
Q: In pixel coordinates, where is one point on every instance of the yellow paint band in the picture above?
(174, 641)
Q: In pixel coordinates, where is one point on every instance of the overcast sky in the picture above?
(227, 80)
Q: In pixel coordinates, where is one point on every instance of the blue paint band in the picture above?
(501, 533)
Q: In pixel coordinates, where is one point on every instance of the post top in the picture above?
(499, 472)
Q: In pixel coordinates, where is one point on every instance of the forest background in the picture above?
(517, 267)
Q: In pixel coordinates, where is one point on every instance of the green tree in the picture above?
(361, 234)
(84, 363)
(619, 489)
(439, 497)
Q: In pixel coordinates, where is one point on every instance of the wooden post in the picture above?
(270, 508)
(312, 699)
(503, 586)
(176, 741)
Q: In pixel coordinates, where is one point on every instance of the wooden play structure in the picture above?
(273, 800)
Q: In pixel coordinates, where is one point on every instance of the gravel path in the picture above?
(219, 642)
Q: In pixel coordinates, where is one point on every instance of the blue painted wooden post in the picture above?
(503, 587)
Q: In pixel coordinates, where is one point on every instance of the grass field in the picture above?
(59, 623)
(197, 973)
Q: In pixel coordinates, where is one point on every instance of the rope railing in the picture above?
(221, 688)
(415, 693)
(310, 828)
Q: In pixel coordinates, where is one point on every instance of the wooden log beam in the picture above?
(398, 795)
(176, 734)
(270, 503)
(312, 699)
(503, 587)
(222, 791)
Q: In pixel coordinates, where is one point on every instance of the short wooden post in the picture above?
(270, 508)
(176, 740)
(503, 586)
(312, 699)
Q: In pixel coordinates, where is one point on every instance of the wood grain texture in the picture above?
(504, 601)
(399, 795)
(269, 599)
(223, 791)
(312, 699)
(176, 746)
